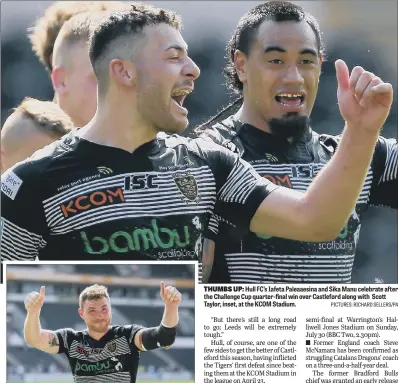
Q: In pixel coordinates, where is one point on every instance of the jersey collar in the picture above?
(108, 336)
(91, 148)
(259, 138)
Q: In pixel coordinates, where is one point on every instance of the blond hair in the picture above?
(93, 292)
(45, 30)
(46, 116)
(74, 31)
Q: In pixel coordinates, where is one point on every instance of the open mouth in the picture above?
(290, 99)
(179, 95)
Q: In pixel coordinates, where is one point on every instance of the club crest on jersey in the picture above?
(188, 187)
(112, 347)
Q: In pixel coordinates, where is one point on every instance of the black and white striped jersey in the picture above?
(112, 359)
(77, 200)
(256, 259)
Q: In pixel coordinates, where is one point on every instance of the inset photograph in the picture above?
(100, 323)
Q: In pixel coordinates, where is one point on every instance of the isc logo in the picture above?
(303, 171)
(140, 181)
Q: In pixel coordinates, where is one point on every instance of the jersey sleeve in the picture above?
(65, 336)
(384, 190)
(223, 135)
(132, 331)
(213, 134)
(22, 217)
(240, 189)
(210, 233)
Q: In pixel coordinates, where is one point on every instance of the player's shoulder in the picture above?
(69, 332)
(332, 141)
(202, 147)
(387, 142)
(224, 132)
(25, 175)
(386, 150)
(125, 330)
(28, 170)
(56, 150)
(124, 327)
(173, 140)
(34, 166)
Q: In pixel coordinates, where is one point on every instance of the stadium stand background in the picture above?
(134, 293)
(362, 33)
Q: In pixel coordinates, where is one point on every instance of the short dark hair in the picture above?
(119, 25)
(247, 28)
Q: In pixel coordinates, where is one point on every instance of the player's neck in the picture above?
(74, 114)
(117, 126)
(247, 115)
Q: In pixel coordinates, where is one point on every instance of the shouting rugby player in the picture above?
(274, 62)
(115, 190)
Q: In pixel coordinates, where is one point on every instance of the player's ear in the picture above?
(58, 79)
(80, 311)
(122, 71)
(240, 65)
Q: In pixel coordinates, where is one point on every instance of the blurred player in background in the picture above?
(66, 60)
(72, 75)
(274, 62)
(33, 125)
(128, 191)
(102, 352)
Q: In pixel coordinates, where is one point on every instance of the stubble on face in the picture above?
(159, 68)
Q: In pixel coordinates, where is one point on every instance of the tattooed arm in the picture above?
(207, 259)
(44, 340)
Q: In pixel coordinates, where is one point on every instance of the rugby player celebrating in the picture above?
(115, 189)
(102, 352)
(274, 63)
